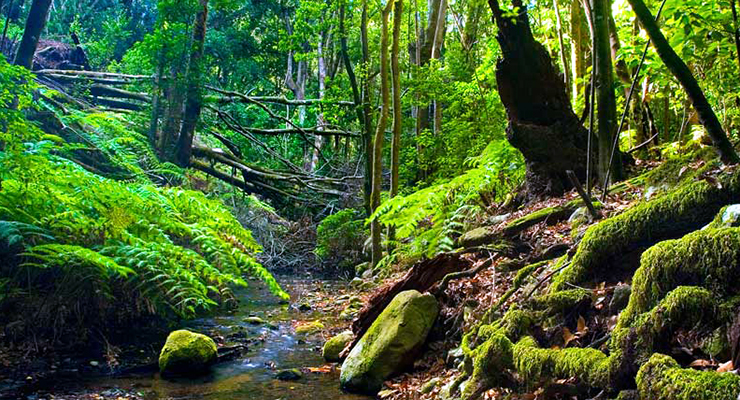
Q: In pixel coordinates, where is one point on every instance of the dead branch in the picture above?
(235, 97)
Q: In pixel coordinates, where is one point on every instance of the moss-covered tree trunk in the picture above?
(194, 100)
(34, 26)
(678, 68)
(537, 106)
(375, 232)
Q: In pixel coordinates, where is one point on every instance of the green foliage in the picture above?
(340, 238)
(435, 215)
(105, 231)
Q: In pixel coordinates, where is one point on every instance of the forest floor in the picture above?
(30, 371)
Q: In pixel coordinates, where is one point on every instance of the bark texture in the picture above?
(194, 100)
(31, 34)
(542, 124)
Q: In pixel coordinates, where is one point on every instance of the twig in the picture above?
(586, 198)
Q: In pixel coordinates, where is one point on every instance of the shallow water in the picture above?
(252, 376)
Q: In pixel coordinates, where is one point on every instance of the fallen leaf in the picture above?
(568, 337)
(701, 363)
(582, 328)
(726, 367)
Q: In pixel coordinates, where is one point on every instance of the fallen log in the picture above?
(93, 74)
(107, 91)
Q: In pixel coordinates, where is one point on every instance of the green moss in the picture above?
(309, 328)
(533, 363)
(558, 302)
(683, 210)
(490, 360)
(186, 352)
(661, 378)
(525, 272)
(335, 345)
(716, 344)
(709, 258)
(552, 214)
(727, 217)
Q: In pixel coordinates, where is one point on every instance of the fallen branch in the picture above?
(464, 274)
(233, 97)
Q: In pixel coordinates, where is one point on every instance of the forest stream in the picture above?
(272, 347)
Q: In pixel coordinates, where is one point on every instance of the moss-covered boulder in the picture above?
(187, 353)
(335, 345)
(391, 343)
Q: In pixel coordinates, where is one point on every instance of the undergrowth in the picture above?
(434, 216)
(87, 230)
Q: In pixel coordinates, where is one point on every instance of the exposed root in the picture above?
(671, 216)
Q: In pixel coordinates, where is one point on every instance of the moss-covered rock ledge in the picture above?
(685, 286)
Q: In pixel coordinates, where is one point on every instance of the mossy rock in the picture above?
(335, 345)
(292, 374)
(391, 342)
(309, 328)
(187, 353)
(254, 321)
(476, 237)
(661, 378)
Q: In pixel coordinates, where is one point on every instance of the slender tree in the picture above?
(397, 115)
(678, 68)
(561, 43)
(34, 26)
(578, 48)
(375, 230)
(606, 101)
(367, 109)
(194, 100)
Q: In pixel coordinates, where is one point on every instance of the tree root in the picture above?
(661, 304)
(673, 215)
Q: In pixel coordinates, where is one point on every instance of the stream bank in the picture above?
(288, 338)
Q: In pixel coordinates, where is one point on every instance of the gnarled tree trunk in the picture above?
(542, 124)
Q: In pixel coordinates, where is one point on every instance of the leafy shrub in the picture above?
(435, 215)
(340, 238)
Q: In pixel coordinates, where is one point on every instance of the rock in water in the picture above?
(335, 345)
(391, 342)
(187, 353)
(289, 375)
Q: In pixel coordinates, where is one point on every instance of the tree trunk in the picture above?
(380, 135)
(678, 68)
(173, 115)
(537, 106)
(34, 26)
(425, 54)
(561, 43)
(397, 115)
(735, 30)
(320, 122)
(578, 48)
(194, 100)
(367, 110)
(606, 101)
